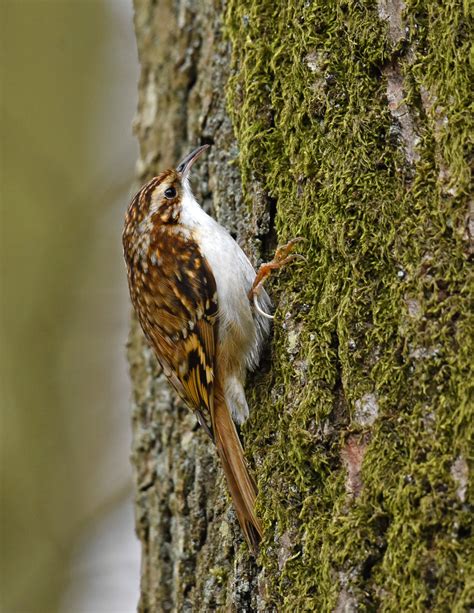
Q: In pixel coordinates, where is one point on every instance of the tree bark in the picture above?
(344, 123)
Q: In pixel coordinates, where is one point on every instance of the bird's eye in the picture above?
(170, 192)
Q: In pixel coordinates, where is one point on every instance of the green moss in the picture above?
(379, 311)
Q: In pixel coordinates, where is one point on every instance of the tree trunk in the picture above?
(345, 123)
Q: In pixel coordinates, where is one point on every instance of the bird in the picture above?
(204, 311)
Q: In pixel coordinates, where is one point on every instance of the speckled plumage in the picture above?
(189, 283)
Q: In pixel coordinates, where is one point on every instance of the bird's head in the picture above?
(159, 200)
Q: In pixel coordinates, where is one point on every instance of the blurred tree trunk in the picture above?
(345, 123)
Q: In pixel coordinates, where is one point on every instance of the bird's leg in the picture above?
(282, 257)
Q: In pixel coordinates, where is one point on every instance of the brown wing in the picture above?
(177, 308)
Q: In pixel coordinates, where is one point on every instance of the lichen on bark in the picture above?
(350, 125)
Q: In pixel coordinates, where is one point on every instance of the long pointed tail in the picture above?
(241, 485)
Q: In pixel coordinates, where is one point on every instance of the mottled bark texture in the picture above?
(346, 123)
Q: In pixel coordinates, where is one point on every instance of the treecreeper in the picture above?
(204, 311)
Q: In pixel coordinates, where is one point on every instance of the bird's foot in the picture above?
(282, 257)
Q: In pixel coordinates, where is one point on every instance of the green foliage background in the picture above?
(66, 167)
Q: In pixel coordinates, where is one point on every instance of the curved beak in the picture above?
(185, 165)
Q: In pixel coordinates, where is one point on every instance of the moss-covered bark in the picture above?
(351, 128)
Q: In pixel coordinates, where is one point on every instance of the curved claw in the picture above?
(291, 258)
(259, 309)
(282, 252)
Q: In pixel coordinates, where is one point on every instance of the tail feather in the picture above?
(241, 485)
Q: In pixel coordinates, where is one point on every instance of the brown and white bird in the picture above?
(204, 312)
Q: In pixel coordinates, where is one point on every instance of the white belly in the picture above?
(230, 266)
(240, 333)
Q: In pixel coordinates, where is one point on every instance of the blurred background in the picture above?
(68, 93)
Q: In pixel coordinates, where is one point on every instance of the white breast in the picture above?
(234, 275)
